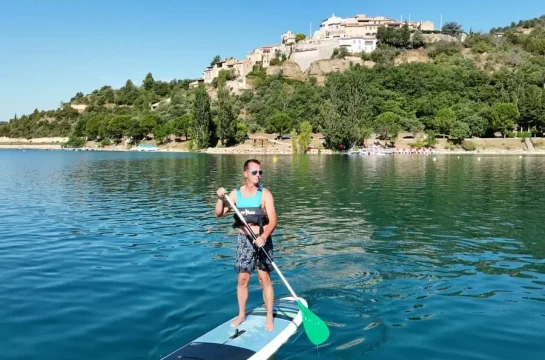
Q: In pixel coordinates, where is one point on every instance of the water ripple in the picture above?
(109, 255)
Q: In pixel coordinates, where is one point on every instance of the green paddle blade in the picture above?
(317, 331)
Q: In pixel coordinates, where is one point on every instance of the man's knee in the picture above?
(243, 279)
(264, 279)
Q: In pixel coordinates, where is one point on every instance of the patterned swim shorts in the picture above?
(249, 256)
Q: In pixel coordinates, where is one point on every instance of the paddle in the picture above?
(315, 328)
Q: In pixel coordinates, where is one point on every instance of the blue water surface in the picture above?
(118, 255)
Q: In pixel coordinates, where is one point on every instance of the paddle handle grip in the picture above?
(255, 237)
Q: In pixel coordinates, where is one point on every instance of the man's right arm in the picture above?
(222, 206)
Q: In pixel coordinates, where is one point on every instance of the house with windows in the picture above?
(359, 44)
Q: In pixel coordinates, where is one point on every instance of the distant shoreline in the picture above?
(263, 151)
(485, 146)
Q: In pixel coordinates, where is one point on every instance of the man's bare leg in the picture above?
(268, 297)
(242, 296)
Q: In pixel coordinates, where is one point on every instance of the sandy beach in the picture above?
(493, 146)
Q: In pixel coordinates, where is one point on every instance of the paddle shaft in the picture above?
(255, 237)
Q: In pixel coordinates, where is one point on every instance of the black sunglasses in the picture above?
(254, 172)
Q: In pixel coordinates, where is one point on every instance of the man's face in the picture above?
(254, 172)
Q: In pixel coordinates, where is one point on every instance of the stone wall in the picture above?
(305, 58)
(307, 52)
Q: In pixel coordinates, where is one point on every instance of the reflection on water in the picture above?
(119, 255)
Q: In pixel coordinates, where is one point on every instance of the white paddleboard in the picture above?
(249, 340)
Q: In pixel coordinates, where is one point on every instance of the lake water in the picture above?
(108, 255)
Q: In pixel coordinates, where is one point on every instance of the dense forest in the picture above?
(489, 84)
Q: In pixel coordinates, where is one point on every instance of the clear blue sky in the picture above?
(50, 50)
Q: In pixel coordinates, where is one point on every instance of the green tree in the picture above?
(477, 124)
(340, 53)
(162, 89)
(225, 120)
(117, 126)
(106, 95)
(160, 134)
(294, 141)
(536, 45)
(216, 59)
(149, 82)
(451, 28)
(74, 142)
(305, 133)
(531, 106)
(224, 75)
(181, 125)
(148, 122)
(414, 126)
(444, 119)
(384, 35)
(95, 127)
(387, 126)
(242, 133)
(431, 138)
(275, 61)
(504, 116)
(404, 36)
(280, 122)
(80, 128)
(459, 131)
(300, 37)
(134, 131)
(204, 131)
(365, 133)
(346, 109)
(128, 94)
(418, 40)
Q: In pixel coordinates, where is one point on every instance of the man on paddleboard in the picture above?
(256, 204)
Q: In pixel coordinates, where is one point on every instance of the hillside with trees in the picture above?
(489, 84)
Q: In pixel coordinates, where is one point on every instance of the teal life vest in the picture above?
(251, 209)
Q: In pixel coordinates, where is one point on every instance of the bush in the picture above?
(444, 47)
(384, 55)
(192, 146)
(340, 53)
(74, 142)
(105, 142)
(431, 141)
(242, 133)
(294, 141)
(469, 145)
(481, 47)
(305, 136)
(419, 143)
(257, 72)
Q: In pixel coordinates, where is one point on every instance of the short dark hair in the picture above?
(251, 161)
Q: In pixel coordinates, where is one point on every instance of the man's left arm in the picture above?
(268, 201)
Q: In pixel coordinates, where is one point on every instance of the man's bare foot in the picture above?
(269, 325)
(239, 320)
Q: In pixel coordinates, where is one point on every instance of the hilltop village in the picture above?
(356, 34)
